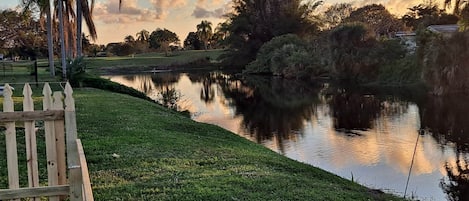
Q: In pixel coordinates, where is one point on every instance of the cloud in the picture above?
(162, 6)
(200, 10)
(130, 12)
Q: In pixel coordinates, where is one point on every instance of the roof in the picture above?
(449, 28)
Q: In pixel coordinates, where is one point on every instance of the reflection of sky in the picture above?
(379, 158)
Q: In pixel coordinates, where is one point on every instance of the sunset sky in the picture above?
(179, 16)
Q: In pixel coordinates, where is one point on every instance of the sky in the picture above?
(179, 16)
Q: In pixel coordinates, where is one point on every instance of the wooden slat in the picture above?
(72, 152)
(10, 133)
(60, 139)
(6, 194)
(30, 136)
(51, 149)
(49, 115)
(87, 191)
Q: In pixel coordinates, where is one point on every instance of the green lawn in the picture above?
(148, 61)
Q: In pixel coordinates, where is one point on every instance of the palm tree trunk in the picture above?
(50, 42)
(62, 40)
(79, 28)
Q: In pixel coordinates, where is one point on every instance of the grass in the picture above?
(149, 61)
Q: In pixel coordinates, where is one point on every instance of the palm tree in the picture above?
(143, 35)
(86, 11)
(458, 5)
(204, 31)
(45, 9)
(129, 39)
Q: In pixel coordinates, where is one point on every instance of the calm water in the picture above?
(365, 135)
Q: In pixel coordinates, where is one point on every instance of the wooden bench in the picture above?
(63, 149)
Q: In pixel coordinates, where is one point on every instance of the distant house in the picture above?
(445, 30)
(408, 38)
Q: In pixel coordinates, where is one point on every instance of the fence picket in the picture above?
(10, 133)
(30, 136)
(51, 150)
(73, 160)
(58, 121)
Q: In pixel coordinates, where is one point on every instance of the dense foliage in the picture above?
(254, 23)
(446, 64)
(285, 55)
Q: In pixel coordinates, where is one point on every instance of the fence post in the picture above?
(60, 138)
(76, 184)
(51, 150)
(30, 136)
(10, 133)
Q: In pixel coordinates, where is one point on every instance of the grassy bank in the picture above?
(165, 156)
(148, 61)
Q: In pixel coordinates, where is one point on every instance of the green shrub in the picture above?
(287, 56)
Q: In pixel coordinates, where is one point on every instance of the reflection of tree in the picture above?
(169, 97)
(271, 107)
(354, 111)
(456, 185)
(167, 93)
(446, 119)
(207, 92)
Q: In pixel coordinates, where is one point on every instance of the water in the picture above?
(361, 134)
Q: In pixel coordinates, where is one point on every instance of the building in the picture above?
(446, 30)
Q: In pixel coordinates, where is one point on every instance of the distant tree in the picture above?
(143, 35)
(378, 18)
(162, 38)
(335, 14)
(459, 5)
(254, 23)
(129, 39)
(192, 41)
(424, 15)
(204, 31)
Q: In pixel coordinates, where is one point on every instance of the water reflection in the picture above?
(446, 119)
(367, 133)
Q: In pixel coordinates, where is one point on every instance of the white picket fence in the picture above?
(63, 149)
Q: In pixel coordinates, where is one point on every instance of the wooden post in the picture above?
(30, 136)
(51, 150)
(60, 139)
(12, 154)
(76, 191)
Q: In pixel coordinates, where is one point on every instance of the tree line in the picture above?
(357, 45)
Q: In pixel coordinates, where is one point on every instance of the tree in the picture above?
(86, 11)
(129, 39)
(459, 5)
(192, 41)
(45, 9)
(378, 18)
(162, 38)
(204, 31)
(335, 14)
(143, 35)
(424, 15)
(253, 23)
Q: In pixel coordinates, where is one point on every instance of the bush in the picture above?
(287, 56)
